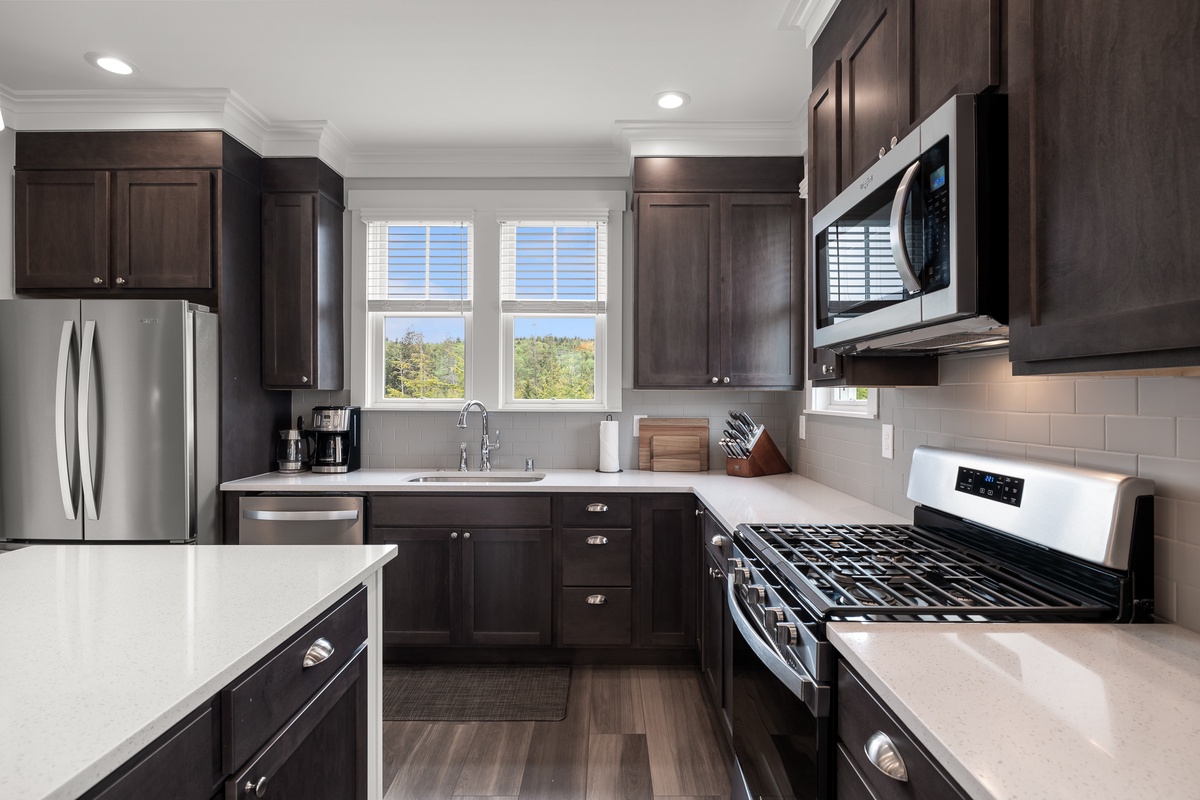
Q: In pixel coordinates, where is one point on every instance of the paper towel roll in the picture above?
(608, 446)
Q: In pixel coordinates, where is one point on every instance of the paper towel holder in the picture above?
(608, 418)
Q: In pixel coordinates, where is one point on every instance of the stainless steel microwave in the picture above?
(914, 256)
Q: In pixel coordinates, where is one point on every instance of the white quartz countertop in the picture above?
(771, 498)
(1042, 711)
(104, 647)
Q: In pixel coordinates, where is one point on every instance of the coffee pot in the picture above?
(295, 449)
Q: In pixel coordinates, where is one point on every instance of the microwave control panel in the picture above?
(990, 485)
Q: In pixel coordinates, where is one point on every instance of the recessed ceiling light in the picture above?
(672, 99)
(110, 63)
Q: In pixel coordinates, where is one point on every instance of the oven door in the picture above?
(781, 722)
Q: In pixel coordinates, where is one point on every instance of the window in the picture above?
(419, 310)
(845, 401)
(553, 276)
(509, 296)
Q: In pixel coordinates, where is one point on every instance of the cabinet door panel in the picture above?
(1103, 251)
(62, 230)
(507, 578)
(421, 595)
(666, 579)
(945, 49)
(825, 139)
(762, 334)
(181, 764)
(677, 292)
(289, 246)
(162, 222)
(869, 85)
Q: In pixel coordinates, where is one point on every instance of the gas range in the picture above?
(992, 540)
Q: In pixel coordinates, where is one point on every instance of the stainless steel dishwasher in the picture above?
(301, 519)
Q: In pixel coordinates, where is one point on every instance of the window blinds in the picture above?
(419, 266)
(554, 266)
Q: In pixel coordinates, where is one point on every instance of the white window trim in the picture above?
(486, 363)
(819, 400)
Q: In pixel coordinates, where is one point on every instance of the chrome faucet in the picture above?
(485, 446)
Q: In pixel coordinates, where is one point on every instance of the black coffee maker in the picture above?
(337, 430)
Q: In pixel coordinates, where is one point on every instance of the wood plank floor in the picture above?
(631, 733)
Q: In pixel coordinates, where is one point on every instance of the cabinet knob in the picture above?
(714, 379)
(120, 281)
(596, 600)
(101, 280)
(895, 141)
(826, 369)
(699, 512)
(466, 534)
(726, 379)
(597, 540)
(453, 534)
(882, 152)
(881, 752)
(304, 379)
(718, 541)
(259, 789)
(318, 651)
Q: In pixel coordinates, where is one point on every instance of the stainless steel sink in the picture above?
(496, 476)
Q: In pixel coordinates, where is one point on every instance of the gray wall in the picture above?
(1137, 426)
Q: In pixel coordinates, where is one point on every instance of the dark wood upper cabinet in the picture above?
(719, 273)
(163, 229)
(825, 138)
(1104, 256)
(62, 229)
(302, 275)
(870, 119)
(900, 62)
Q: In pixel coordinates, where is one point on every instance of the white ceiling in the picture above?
(411, 81)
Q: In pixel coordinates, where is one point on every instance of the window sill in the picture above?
(848, 414)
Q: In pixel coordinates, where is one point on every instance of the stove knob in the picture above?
(756, 594)
(772, 616)
(786, 634)
(741, 576)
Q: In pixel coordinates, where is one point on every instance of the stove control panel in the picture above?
(993, 486)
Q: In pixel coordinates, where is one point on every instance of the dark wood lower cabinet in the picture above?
(665, 584)
(274, 731)
(422, 599)
(716, 639)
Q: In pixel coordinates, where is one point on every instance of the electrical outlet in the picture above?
(800, 427)
(888, 440)
(637, 423)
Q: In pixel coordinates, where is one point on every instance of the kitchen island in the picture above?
(106, 647)
(1053, 711)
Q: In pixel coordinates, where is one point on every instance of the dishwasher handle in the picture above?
(300, 516)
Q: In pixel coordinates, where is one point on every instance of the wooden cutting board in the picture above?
(683, 446)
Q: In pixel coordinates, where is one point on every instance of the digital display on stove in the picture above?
(1001, 488)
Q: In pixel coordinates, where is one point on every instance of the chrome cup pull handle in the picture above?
(881, 752)
(596, 600)
(597, 508)
(318, 651)
(597, 540)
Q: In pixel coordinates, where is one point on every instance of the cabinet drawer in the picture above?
(850, 784)
(859, 717)
(597, 557)
(610, 622)
(270, 692)
(597, 511)
(449, 510)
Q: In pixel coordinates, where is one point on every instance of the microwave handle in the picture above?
(899, 246)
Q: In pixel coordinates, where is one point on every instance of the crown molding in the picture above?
(490, 162)
(655, 138)
(807, 16)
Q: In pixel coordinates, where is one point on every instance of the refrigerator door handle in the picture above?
(60, 422)
(86, 360)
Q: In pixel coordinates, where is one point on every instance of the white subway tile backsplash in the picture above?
(1027, 428)
(1151, 436)
(1054, 397)
(1006, 396)
(1124, 463)
(1057, 455)
(1188, 437)
(1183, 524)
(988, 424)
(953, 371)
(1169, 397)
(1106, 396)
(1077, 430)
(1176, 478)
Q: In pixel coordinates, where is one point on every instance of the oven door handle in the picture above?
(804, 687)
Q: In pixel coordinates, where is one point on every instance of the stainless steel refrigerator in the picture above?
(108, 421)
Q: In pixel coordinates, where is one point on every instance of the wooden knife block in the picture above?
(765, 459)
